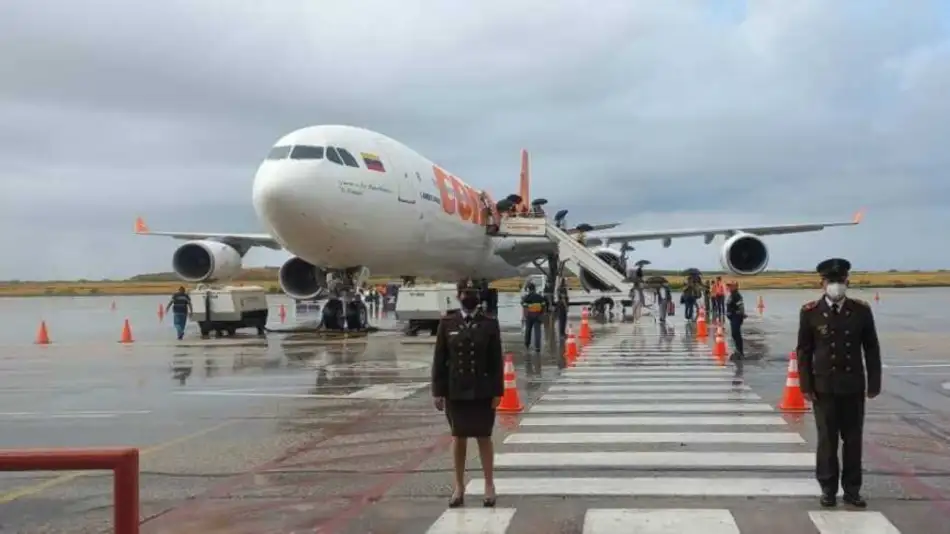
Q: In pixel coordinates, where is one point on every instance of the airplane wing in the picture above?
(594, 228)
(240, 241)
(710, 233)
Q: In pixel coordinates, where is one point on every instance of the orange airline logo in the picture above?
(461, 199)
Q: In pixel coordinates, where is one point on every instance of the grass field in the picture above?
(165, 284)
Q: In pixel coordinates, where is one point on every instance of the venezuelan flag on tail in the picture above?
(372, 162)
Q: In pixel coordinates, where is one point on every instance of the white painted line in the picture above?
(667, 521)
(603, 388)
(473, 521)
(662, 379)
(71, 415)
(648, 357)
(652, 371)
(650, 486)
(375, 392)
(645, 420)
(920, 366)
(711, 460)
(727, 395)
(653, 437)
(865, 522)
(658, 408)
(659, 364)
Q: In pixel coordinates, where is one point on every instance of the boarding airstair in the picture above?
(574, 253)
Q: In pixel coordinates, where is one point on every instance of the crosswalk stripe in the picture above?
(647, 420)
(653, 437)
(660, 521)
(649, 486)
(607, 388)
(574, 372)
(653, 407)
(659, 396)
(473, 521)
(663, 378)
(658, 364)
(656, 459)
(863, 523)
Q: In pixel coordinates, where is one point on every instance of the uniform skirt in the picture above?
(470, 418)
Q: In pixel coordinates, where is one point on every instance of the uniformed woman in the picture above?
(468, 383)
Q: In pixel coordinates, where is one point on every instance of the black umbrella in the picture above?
(656, 281)
(641, 263)
(692, 271)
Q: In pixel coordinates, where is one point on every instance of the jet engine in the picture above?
(610, 256)
(301, 280)
(744, 254)
(206, 261)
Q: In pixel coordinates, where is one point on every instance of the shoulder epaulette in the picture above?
(810, 305)
(861, 302)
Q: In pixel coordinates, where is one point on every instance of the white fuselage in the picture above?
(396, 221)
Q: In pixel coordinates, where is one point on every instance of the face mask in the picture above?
(836, 290)
(469, 302)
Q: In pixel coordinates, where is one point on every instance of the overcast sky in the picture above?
(659, 114)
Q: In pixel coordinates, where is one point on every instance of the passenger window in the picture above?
(279, 152)
(333, 156)
(348, 158)
(307, 152)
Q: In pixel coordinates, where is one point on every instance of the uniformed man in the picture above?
(837, 344)
(735, 314)
(468, 385)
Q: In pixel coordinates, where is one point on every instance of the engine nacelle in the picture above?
(613, 258)
(206, 261)
(301, 280)
(744, 254)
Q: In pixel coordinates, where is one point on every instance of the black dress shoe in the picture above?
(854, 499)
(489, 502)
(828, 500)
(456, 502)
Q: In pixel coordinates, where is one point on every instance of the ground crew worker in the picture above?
(707, 299)
(837, 342)
(563, 304)
(180, 305)
(468, 385)
(663, 297)
(735, 313)
(533, 305)
(719, 298)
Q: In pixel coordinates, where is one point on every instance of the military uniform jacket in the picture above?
(467, 363)
(834, 350)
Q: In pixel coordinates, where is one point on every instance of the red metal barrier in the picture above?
(124, 464)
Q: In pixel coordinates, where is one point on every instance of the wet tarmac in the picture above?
(287, 435)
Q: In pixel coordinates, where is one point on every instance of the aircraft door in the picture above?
(407, 185)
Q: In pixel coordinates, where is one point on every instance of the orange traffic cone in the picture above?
(570, 349)
(792, 399)
(877, 297)
(584, 334)
(511, 401)
(42, 335)
(719, 348)
(701, 330)
(126, 333)
(161, 313)
(283, 313)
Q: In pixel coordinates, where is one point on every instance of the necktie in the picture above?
(834, 308)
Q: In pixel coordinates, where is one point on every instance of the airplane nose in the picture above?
(275, 194)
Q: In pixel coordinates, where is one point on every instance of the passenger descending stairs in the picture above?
(570, 250)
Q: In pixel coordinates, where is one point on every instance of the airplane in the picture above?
(347, 201)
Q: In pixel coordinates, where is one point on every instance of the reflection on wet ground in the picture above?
(289, 433)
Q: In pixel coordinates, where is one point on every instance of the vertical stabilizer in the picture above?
(525, 186)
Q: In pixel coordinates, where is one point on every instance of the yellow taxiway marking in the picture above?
(68, 477)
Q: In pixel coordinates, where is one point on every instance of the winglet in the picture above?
(858, 216)
(140, 226)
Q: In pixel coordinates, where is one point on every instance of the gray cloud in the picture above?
(658, 114)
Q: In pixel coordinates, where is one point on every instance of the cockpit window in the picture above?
(333, 156)
(307, 152)
(279, 152)
(348, 158)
